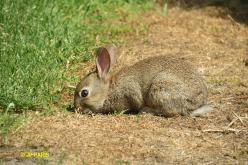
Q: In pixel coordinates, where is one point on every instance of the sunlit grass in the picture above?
(38, 39)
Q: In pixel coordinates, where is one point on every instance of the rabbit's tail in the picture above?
(201, 111)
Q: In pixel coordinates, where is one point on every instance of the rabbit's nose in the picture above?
(77, 106)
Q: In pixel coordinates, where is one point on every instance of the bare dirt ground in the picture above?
(218, 46)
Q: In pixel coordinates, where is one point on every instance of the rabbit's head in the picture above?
(92, 90)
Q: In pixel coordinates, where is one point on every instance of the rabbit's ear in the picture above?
(113, 53)
(103, 62)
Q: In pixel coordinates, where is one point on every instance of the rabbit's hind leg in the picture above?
(167, 95)
(155, 111)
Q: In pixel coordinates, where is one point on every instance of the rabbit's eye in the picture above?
(84, 93)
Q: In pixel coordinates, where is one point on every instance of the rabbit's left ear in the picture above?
(103, 62)
(113, 53)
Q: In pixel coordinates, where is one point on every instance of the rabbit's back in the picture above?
(161, 82)
(144, 71)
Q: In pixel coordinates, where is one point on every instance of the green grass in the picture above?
(10, 122)
(38, 39)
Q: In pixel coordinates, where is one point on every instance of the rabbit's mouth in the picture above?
(83, 111)
(88, 109)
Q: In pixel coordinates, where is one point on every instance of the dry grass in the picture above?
(211, 40)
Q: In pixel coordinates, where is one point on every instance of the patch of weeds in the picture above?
(70, 108)
(235, 80)
(232, 80)
(47, 112)
(119, 111)
(138, 118)
(9, 121)
(165, 8)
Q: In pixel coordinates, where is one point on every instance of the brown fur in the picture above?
(161, 85)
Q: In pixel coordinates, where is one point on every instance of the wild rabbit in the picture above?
(160, 85)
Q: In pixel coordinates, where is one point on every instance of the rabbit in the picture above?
(160, 85)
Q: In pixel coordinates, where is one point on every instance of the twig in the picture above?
(70, 86)
(213, 130)
(232, 130)
(231, 18)
(238, 117)
(115, 121)
(237, 97)
(231, 123)
(222, 130)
